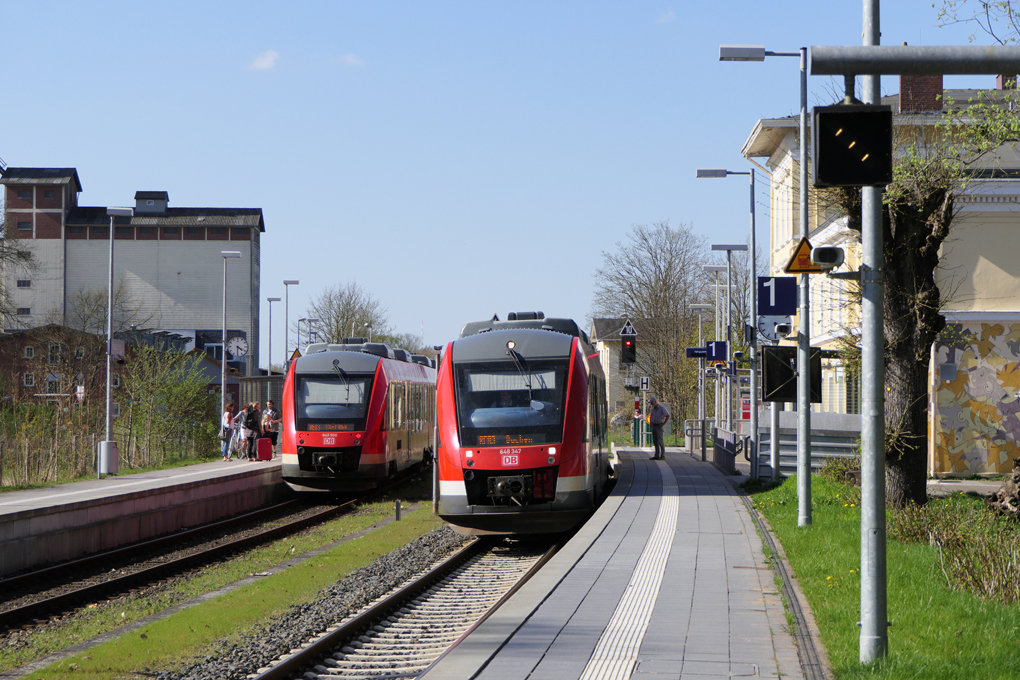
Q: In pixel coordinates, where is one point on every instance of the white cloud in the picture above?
(351, 60)
(667, 17)
(265, 60)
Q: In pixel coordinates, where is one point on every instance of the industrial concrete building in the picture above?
(168, 270)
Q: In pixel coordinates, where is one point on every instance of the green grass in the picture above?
(936, 632)
(186, 634)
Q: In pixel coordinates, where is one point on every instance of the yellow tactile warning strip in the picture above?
(616, 652)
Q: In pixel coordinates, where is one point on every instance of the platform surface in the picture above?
(13, 502)
(668, 580)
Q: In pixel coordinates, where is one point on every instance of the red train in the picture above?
(355, 415)
(522, 426)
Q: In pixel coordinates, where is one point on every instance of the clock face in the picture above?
(237, 346)
(767, 326)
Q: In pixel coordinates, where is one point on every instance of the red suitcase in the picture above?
(264, 446)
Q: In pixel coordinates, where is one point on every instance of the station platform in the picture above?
(56, 523)
(667, 580)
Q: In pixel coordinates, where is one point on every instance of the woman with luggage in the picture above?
(253, 425)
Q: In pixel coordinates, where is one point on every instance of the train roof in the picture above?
(377, 348)
(322, 362)
(533, 343)
(532, 320)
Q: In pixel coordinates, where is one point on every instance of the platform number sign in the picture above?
(777, 295)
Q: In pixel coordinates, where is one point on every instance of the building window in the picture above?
(28, 380)
(115, 410)
(193, 231)
(25, 194)
(149, 231)
(218, 231)
(239, 231)
(102, 231)
(24, 311)
(115, 380)
(171, 231)
(150, 202)
(79, 353)
(76, 230)
(122, 231)
(53, 383)
(48, 193)
(24, 283)
(29, 352)
(53, 357)
(24, 226)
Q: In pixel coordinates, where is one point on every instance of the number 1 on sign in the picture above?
(771, 285)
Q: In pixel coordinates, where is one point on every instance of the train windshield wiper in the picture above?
(342, 375)
(522, 368)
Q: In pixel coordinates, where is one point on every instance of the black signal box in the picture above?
(851, 146)
(628, 352)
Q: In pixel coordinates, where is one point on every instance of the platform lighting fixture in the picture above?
(286, 316)
(271, 300)
(758, 53)
(107, 448)
(729, 248)
(722, 173)
(226, 255)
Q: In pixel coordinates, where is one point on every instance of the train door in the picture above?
(397, 436)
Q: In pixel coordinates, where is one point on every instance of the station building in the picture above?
(168, 267)
(974, 369)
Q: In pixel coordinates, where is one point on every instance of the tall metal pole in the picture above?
(729, 344)
(804, 339)
(286, 318)
(271, 300)
(754, 344)
(874, 640)
(109, 346)
(223, 351)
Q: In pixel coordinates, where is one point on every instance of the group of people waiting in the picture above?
(241, 431)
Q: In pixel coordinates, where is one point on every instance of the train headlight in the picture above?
(511, 344)
(552, 459)
(552, 450)
(469, 454)
(470, 463)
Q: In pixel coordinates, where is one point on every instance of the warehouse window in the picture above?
(24, 283)
(28, 380)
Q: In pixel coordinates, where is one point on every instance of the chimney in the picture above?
(920, 94)
(1005, 82)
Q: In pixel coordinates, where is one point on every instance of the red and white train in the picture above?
(522, 427)
(355, 415)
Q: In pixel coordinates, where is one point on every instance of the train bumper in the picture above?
(569, 508)
(365, 477)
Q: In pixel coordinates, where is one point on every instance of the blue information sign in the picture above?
(697, 352)
(777, 295)
(717, 350)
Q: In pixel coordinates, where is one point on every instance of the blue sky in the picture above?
(455, 159)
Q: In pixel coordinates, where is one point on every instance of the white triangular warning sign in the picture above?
(628, 329)
(800, 263)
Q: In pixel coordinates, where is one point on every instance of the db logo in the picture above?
(329, 441)
(510, 460)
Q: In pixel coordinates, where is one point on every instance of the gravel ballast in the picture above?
(259, 646)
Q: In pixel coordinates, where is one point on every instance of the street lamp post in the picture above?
(701, 379)
(729, 248)
(308, 321)
(753, 349)
(107, 449)
(286, 316)
(716, 269)
(758, 53)
(226, 255)
(271, 300)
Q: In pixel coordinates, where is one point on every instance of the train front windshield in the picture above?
(499, 405)
(325, 403)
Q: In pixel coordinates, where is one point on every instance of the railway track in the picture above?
(403, 634)
(53, 590)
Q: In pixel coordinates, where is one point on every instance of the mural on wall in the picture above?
(976, 414)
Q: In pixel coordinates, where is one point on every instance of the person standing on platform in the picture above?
(227, 429)
(253, 425)
(270, 419)
(658, 418)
